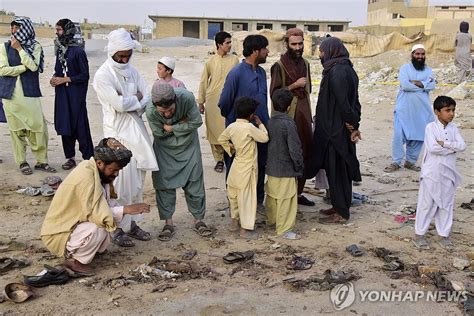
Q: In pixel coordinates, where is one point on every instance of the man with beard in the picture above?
(21, 61)
(250, 80)
(70, 81)
(337, 129)
(292, 71)
(123, 94)
(210, 88)
(84, 211)
(412, 111)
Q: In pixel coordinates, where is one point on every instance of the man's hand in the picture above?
(15, 44)
(349, 127)
(258, 121)
(232, 149)
(201, 108)
(356, 136)
(135, 209)
(440, 142)
(300, 83)
(56, 81)
(139, 96)
(417, 83)
(168, 128)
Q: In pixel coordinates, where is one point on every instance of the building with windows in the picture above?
(207, 27)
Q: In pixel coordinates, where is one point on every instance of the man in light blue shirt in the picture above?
(412, 111)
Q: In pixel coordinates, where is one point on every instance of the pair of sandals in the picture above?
(122, 239)
(200, 228)
(26, 169)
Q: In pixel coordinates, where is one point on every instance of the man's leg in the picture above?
(85, 241)
(195, 198)
(413, 150)
(262, 149)
(217, 152)
(86, 147)
(19, 145)
(69, 144)
(166, 202)
(398, 140)
(340, 183)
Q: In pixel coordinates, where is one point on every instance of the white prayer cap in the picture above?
(120, 39)
(416, 46)
(168, 62)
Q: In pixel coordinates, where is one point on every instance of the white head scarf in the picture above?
(119, 39)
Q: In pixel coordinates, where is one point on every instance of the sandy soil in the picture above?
(257, 287)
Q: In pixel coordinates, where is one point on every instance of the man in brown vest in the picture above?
(292, 72)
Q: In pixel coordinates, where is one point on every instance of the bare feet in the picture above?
(328, 211)
(76, 266)
(248, 234)
(234, 225)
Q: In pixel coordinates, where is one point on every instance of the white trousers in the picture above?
(428, 208)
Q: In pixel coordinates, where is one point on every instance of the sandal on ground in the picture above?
(291, 235)
(354, 250)
(189, 255)
(25, 168)
(446, 244)
(138, 233)
(166, 233)
(411, 166)
(202, 229)
(333, 219)
(219, 167)
(300, 263)
(328, 211)
(46, 190)
(45, 167)
(69, 164)
(391, 167)
(237, 256)
(122, 240)
(421, 243)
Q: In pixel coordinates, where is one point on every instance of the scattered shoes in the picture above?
(237, 256)
(49, 276)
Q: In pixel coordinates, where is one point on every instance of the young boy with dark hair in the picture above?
(240, 140)
(439, 177)
(284, 166)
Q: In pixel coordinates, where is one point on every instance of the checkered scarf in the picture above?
(26, 36)
(62, 42)
(111, 150)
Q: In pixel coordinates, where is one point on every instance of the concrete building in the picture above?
(207, 27)
(414, 12)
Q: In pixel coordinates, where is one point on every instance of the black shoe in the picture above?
(302, 200)
(52, 276)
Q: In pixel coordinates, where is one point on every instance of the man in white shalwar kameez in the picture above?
(123, 94)
(439, 177)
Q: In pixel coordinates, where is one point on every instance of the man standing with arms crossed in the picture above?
(212, 81)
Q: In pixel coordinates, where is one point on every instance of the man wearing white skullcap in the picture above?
(412, 112)
(165, 69)
(123, 94)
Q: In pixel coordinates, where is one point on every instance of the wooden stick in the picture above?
(395, 190)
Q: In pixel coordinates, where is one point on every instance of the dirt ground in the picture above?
(261, 286)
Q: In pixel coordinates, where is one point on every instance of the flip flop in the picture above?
(219, 167)
(166, 233)
(354, 250)
(139, 234)
(7, 264)
(25, 168)
(46, 190)
(45, 167)
(122, 240)
(202, 229)
(189, 255)
(30, 191)
(237, 256)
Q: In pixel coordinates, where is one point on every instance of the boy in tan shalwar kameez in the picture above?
(240, 139)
